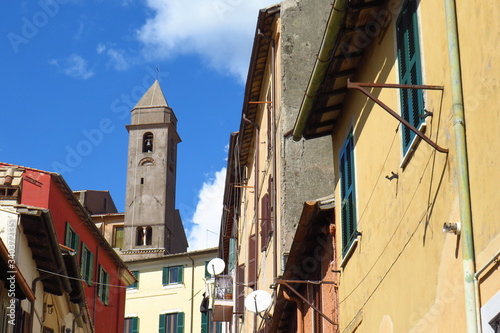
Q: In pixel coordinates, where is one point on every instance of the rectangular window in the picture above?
(86, 264)
(131, 325)
(347, 193)
(71, 239)
(103, 288)
(172, 275)
(252, 261)
(118, 237)
(134, 285)
(410, 71)
(172, 322)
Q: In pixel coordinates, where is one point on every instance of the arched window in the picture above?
(147, 142)
(144, 235)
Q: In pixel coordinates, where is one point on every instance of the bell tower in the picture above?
(153, 226)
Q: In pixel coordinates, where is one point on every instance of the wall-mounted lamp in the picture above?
(453, 228)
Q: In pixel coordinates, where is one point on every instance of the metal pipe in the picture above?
(335, 21)
(476, 288)
(357, 86)
(468, 256)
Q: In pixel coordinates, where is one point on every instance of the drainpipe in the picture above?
(335, 21)
(192, 291)
(468, 257)
(300, 317)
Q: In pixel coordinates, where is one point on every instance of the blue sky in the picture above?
(72, 70)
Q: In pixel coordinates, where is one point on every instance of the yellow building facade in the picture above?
(402, 194)
(168, 294)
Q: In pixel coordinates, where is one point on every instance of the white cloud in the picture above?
(116, 57)
(206, 219)
(74, 66)
(221, 31)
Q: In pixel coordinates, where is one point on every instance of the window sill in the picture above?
(349, 252)
(173, 285)
(413, 146)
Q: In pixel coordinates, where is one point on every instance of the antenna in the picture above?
(258, 301)
(216, 266)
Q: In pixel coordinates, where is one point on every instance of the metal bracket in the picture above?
(359, 86)
(285, 283)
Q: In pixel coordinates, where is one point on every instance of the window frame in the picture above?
(410, 72)
(134, 285)
(178, 318)
(167, 275)
(133, 327)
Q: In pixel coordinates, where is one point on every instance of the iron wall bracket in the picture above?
(360, 86)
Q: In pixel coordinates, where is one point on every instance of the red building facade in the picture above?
(104, 273)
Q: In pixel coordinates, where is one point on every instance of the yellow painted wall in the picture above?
(151, 298)
(405, 274)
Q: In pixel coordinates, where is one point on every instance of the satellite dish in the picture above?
(216, 266)
(258, 301)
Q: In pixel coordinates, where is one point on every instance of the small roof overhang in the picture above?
(314, 222)
(351, 27)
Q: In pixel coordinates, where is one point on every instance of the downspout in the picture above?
(335, 21)
(300, 316)
(192, 291)
(468, 257)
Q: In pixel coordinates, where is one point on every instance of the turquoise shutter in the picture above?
(180, 322)
(67, 237)
(163, 320)
(83, 263)
(165, 276)
(106, 288)
(207, 274)
(410, 70)
(136, 284)
(347, 194)
(204, 322)
(135, 325)
(180, 274)
(91, 267)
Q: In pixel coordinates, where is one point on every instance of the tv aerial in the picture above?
(216, 266)
(258, 301)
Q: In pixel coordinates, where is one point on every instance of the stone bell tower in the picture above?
(153, 226)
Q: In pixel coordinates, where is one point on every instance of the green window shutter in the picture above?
(135, 325)
(204, 322)
(207, 274)
(410, 69)
(100, 287)
(348, 199)
(165, 276)
(163, 319)
(83, 262)
(90, 268)
(180, 274)
(76, 242)
(106, 288)
(67, 238)
(136, 284)
(180, 322)
(232, 254)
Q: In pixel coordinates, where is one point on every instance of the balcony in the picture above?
(223, 298)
